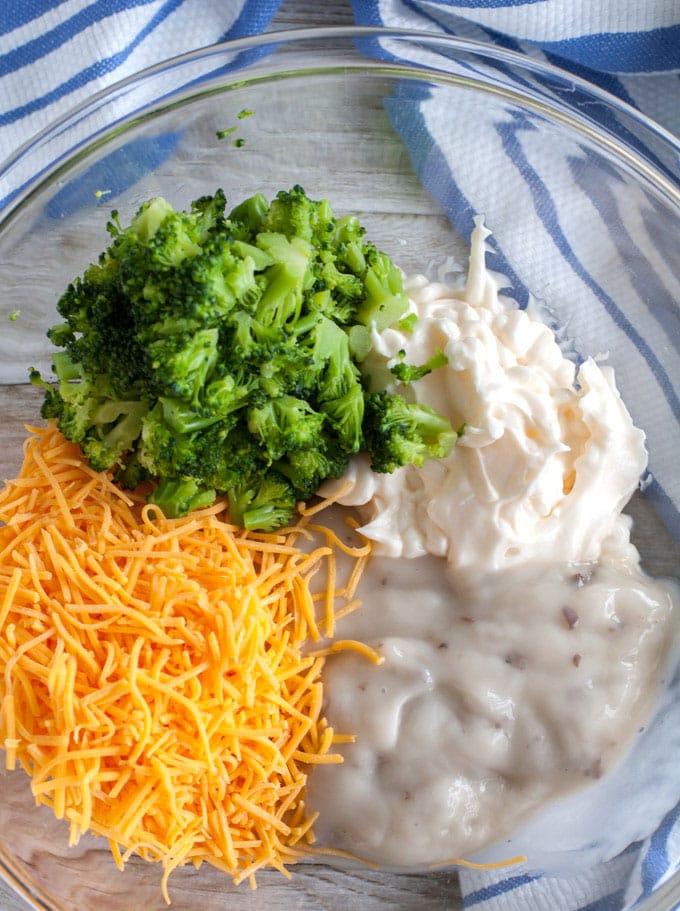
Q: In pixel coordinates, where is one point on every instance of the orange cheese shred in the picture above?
(154, 678)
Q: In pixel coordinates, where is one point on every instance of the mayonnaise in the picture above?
(549, 455)
(523, 647)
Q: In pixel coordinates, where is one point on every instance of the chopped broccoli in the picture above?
(407, 323)
(208, 354)
(398, 433)
(281, 301)
(309, 467)
(408, 373)
(178, 496)
(285, 424)
(330, 350)
(345, 414)
(293, 214)
(90, 413)
(384, 301)
(250, 214)
(267, 503)
(131, 474)
(181, 363)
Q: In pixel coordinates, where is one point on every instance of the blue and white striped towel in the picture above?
(56, 53)
(630, 48)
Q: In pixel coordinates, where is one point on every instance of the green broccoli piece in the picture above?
(98, 334)
(206, 354)
(398, 433)
(176, 497)
(408, 373)
(284, 425)
(328, 346)
(293, 214)
(250, 214)
(265, 503)
(167, 449)
(104, 447)
(281, 301)
(131, 473)
(345, 415)
(89, 412)
(384, 302)
(308, 468)
(170, 277)
(340, 394)
(407, 323)
(180, 365)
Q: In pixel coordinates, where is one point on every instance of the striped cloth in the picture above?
(630, 48)
(54, 54)
(611, 847)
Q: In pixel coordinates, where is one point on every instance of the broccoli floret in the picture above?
(329, 348)
(340, 308)
(281, 301)
(408, 373)
(131, 473)
(181, 364)
(294, 214)
(177, 496)
(407, 323)
(98, 334)
(263, 503)
(345, 415)
(398, 433)
(290, 370)
(88, 412)
(250, 214)
(226, 394)
(185, 232)
(342, 268)
(385, 301)
(285, 424)
(221, 456)
(104, 447)
(205, 354)
(307, 468)
(166, 449)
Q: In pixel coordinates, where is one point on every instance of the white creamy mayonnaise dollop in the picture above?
(549, 455)
(523, 647)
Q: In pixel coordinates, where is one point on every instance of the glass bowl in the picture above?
(414, 133)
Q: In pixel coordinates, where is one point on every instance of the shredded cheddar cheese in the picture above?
(154, 681)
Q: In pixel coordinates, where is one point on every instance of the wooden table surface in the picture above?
(368, 892)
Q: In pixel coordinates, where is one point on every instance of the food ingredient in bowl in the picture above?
(524, 647)
(223, 354)
(153, 676)
(549, 455)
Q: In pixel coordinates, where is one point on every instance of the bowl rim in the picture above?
(327, 35)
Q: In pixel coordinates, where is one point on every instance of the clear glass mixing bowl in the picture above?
(339, 111)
